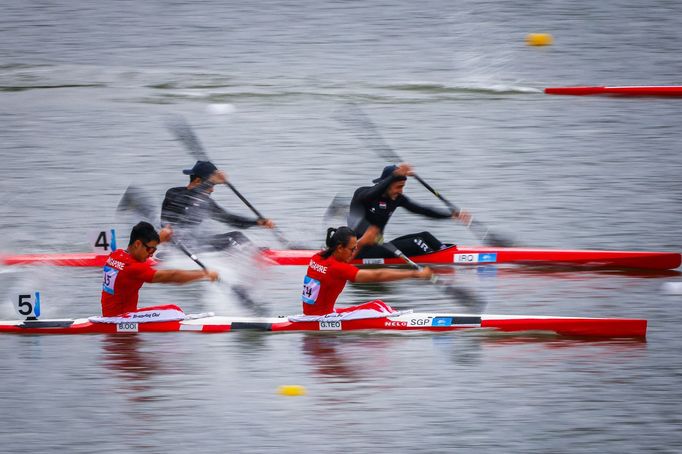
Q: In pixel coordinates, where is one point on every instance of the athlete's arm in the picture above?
(369, 238)
(356, 213)
(414, 207)
(217, 213)
(183, 276)
(386, 275)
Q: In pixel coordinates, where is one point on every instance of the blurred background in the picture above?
(86, 88)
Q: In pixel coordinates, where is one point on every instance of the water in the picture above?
(86, 90)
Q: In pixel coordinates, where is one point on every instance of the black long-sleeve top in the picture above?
(370, 206)
(184, 207)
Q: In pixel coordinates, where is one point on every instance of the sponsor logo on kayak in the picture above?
(143, 315)
(420, 321)
(373, 261)
(395, 324)
(126, 327)
(442, 321)
(488, 257)
(330, 326)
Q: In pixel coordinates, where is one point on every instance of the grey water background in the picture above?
(85, 89)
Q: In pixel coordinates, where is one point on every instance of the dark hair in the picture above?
(336, 237)
(192, 177)
(144, 232)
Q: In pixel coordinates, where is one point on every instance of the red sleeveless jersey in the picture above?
(123, 277)
(324, 281)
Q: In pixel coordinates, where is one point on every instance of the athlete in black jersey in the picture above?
(186, 207)
(372, 207)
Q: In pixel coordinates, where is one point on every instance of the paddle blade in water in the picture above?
(247, 301)
(488, 237)
(466, 297)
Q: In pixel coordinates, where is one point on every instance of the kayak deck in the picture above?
(452, 255)
(433, 322)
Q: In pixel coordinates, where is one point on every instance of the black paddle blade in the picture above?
(248, 302)
(467, 298)
(337, 209)
(353, 117)
(183, 132)
(489, 238)
(497, 240)
(138, 201)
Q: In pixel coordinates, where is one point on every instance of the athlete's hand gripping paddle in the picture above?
(352, 115)
(138, 201)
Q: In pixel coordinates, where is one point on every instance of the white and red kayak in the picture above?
(453, 255)
(665, 90)
(411, 321)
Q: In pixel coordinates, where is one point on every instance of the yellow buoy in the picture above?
(291, 390)
(539, 39)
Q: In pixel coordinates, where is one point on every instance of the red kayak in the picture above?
(453, 255)
(435, 322)
(464, 255)
(669, 90)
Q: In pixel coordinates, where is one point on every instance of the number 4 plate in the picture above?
(103, 240)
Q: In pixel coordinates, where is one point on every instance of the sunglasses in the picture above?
(150, 249)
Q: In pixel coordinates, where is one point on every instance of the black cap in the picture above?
(388, 171)
(202, 169)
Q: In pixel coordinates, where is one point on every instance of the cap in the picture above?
(388, 171)
(202, 169)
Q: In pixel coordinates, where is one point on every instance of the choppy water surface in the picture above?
(85, 91)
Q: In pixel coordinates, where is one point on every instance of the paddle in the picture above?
(356, 118)
(466, 296)
(182, 131)
(339, 207)
(138, 201)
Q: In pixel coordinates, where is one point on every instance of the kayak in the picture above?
(452, 255)
(410, 321)
(670, 90)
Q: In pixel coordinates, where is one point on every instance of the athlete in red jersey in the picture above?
(126, 270)
(329, 270)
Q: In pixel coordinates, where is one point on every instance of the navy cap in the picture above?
(202, 169)
(388, 171)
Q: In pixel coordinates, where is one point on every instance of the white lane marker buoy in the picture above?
(673, 288)
(220, 109)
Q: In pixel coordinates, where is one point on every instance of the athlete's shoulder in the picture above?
(179, 190)
(333, 262)
(119, 254)
(342, 269)
(362, 191)
(118, 259)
